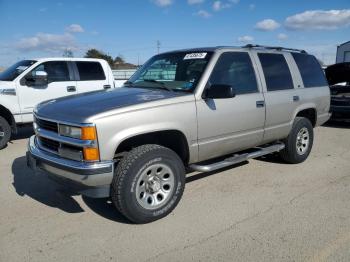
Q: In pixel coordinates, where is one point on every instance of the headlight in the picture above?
(83, 133)
(70, 131)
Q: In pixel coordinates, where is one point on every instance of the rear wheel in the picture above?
(5, 132)
(148, 183)
(299, 141)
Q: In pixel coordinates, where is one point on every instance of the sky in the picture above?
(131, 28)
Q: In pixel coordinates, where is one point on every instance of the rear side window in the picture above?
(276, 71)
(90, 71)
(235, 69)
(310, 70)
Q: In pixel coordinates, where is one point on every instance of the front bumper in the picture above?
(90, 179)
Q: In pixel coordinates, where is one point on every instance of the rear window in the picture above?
(90, 71)
(276, 72)
(310, 70)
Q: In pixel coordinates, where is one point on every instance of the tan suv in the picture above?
(183, 110)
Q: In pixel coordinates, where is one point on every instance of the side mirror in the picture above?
(37, 78)
(40, 77)
(220, 91)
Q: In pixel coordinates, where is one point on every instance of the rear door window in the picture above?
(89, 71)
(310, 70)
(276, 71)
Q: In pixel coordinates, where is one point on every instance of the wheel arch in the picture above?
(6, 113)
(308, 111)
(171, 138)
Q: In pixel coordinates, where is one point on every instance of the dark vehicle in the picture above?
(338, 76)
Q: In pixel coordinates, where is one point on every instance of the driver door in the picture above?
(60, 82)
(228, 125)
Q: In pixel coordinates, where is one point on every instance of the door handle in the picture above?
(260, 103)
(106, 86)
(296, 98)
(71, 88)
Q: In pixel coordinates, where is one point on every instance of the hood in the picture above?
(338, 73)
(78, 108)
(7, 84)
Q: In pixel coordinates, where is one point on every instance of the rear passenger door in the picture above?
(281, 97)
(91, 76)
(231, 124)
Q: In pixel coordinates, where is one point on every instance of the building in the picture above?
(343, 52)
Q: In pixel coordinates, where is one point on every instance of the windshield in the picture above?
(15, 70)
(178, 71)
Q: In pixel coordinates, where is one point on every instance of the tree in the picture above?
(94, 53)
(68, 53)
(119, 60)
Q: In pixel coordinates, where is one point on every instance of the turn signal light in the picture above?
(91, 154)
(88, 133)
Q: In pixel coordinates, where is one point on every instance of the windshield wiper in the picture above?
(161, 84)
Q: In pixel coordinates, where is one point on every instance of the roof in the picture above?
(344, 43)
(66, 59)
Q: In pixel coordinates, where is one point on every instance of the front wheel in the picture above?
(5, 132)
(299, 141)
(148, 183)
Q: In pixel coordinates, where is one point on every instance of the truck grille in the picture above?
(47, 125)
(49, 144)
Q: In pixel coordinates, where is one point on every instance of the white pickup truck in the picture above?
(29, 82)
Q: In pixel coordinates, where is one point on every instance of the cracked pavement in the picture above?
(262, 210)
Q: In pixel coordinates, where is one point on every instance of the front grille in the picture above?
(49, 144)
(47, 125)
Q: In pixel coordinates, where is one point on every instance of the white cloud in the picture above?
(245, 39)
(282, 36)
(47, 42)
(75, 28)
(319, 19)
(219, 5)
(203, 13)
(163, 3)
(194, 2)
(325, 52)
(267, 25)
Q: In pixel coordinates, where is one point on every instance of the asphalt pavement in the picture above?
(261, 210)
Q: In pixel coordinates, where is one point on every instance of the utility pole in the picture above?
(158, 46)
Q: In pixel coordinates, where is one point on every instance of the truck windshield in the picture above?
(15, 70)
(178, 71)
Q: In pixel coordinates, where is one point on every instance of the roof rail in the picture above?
(279, 48)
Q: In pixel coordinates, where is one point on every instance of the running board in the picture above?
(237, 158)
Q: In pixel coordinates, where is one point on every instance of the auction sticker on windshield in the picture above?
(195, 56)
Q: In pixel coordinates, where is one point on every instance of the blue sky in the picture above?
(39, 28)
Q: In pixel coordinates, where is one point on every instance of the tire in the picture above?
(299, 141)
(5, 132)
(148, 183)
